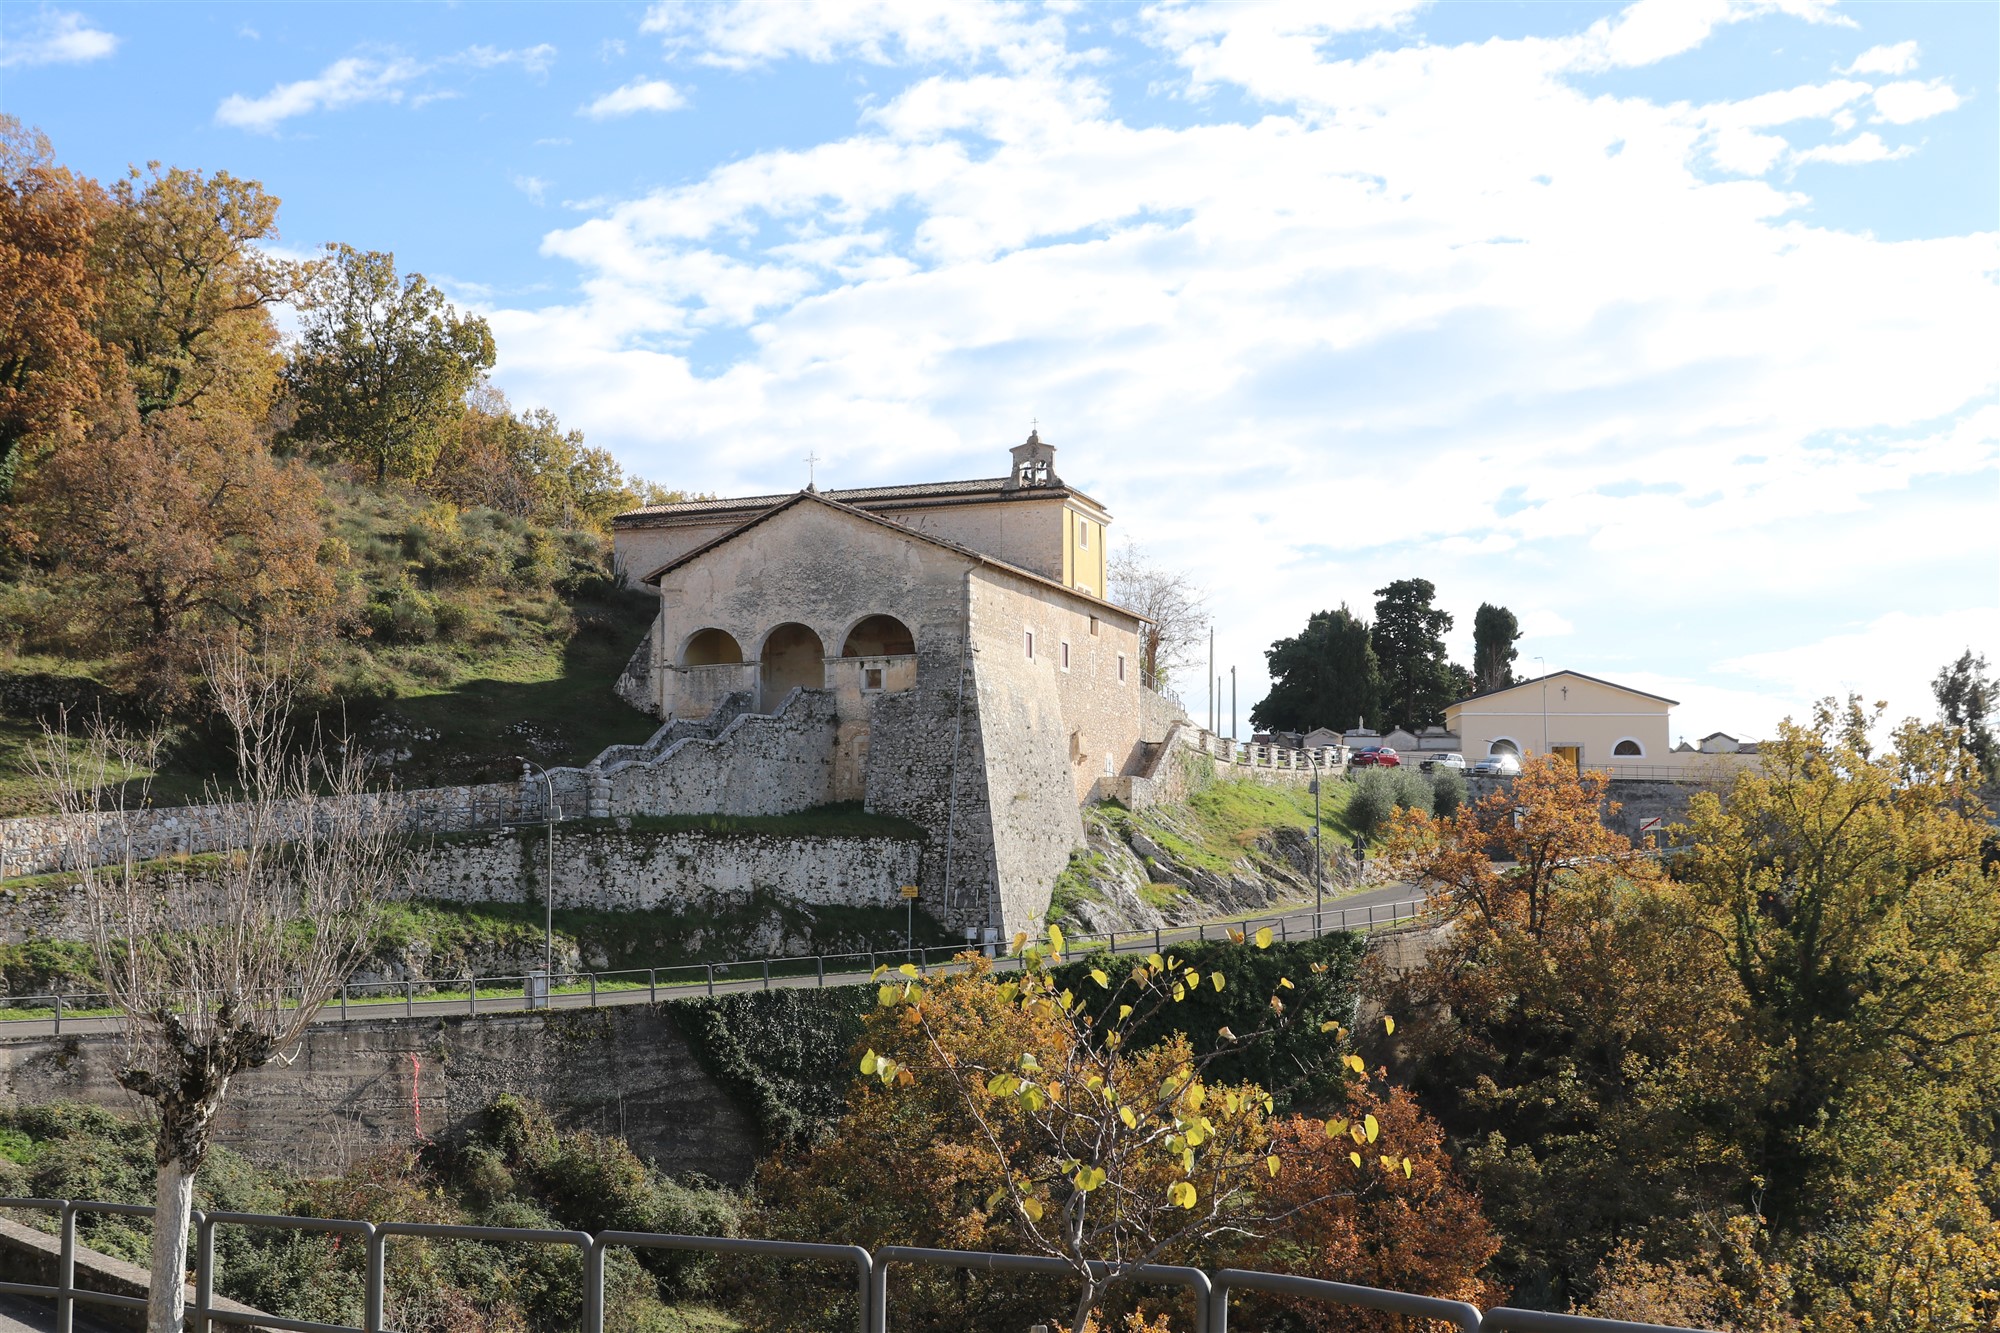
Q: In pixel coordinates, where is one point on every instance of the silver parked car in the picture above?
(1498, 766)
(1446, 760)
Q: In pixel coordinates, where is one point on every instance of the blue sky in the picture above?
(1672, 326)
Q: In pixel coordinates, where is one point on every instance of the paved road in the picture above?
(1357, 911)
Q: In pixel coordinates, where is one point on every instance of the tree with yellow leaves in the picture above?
(1106, 1157)
(1847, 887)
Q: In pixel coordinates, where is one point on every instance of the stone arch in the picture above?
(879, 636)
(1504, 745)
(711, 647)
(1628, 747)
(792, 656)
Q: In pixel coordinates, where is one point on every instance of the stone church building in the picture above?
(944, 653)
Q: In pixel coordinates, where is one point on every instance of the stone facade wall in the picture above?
(635, 870)
(358, 1088)
(1026, 752)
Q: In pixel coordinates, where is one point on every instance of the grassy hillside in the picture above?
(467, 637)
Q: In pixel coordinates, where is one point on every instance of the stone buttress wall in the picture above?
(1033, 811)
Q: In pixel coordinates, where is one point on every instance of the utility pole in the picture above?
(549, 893)
(1319, 862)
(1544, 665)
(1232, 704)
(1211, 677)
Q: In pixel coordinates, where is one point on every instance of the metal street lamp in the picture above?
(549, 891)
(1319, 854)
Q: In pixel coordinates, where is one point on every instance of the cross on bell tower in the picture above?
(1034, 462)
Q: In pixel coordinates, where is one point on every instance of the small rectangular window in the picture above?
(871, 678)
(1083, 533)
(1065, 654)
(1028, 640)
(1121, 668)
(1093, 627)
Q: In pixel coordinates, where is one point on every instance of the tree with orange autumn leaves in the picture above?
(1547, 823)
(1018, 1120)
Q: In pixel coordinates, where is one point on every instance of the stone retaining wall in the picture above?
(756, 764)
(358, 1088)
(611, 869)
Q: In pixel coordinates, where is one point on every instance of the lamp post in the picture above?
(1543, 663)
(549, 891)
(1319, 853)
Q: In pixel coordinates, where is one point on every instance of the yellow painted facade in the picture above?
(1589, 722)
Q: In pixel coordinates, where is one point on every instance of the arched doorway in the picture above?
(793, 657)
(711, 647)
(879, 636)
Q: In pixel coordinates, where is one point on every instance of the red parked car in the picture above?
(1375, 756)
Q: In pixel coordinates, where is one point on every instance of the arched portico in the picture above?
(792, 657)
(711, 647)
(879, 636)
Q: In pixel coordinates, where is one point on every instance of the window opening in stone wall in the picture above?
(1093, 627)
(1504, 746)
(1629, 749)
(1028, 642)
(1083, 533)
(1121, 668)
(1065, 654)
(871, 678)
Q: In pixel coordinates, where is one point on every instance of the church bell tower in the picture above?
(1034, 464)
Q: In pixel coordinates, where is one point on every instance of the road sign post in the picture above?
(909, 892)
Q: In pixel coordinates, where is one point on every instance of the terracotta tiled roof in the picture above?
(861, 497)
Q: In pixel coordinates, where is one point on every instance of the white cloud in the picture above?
(353, 80)
(742, 33)
(1891, 658)
(532, 186)
(56, 37)
(1864, 147)
(534, 60)
(1898, 59)
(1903, 103)
(346, 82)
(1439, 311)
(638, 95)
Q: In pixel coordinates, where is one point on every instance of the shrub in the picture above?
(1448, 787)
(1373, 802)
(1414, 791)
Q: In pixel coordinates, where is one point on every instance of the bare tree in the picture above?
(1173, 604)
(221, 978)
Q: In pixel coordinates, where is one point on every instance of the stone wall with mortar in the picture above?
(361, 1087)
(628, 870)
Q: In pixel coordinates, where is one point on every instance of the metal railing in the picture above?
(1210, 1293)
(511, 992)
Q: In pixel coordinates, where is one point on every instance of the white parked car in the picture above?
(1497, 766)
(1447, 760)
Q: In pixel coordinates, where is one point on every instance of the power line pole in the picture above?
(1232, 703)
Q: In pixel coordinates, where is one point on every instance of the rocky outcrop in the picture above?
(1128, 878)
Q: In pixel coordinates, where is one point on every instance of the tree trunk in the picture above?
(173, 1201)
